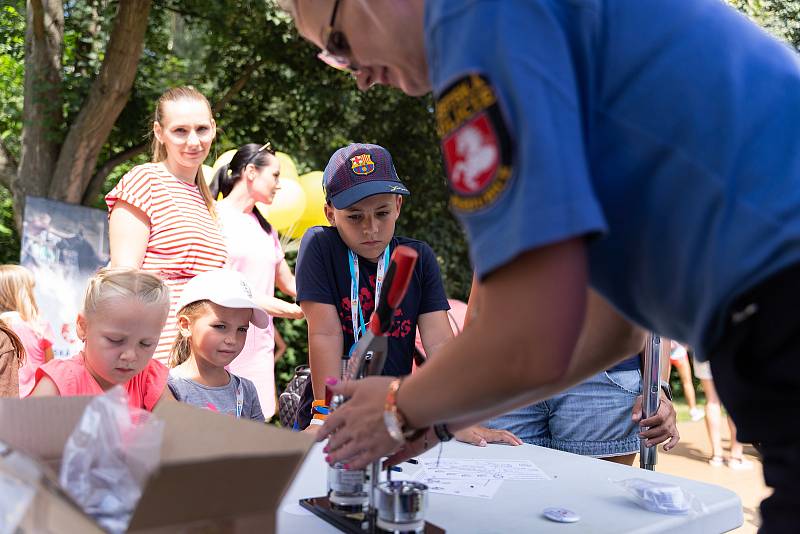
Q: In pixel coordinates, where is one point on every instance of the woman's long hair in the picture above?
(228, 175)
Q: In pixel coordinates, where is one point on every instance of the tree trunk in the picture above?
(42, 116)
(107, 97)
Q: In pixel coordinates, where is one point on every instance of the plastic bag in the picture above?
(109, 456)
(661, 497)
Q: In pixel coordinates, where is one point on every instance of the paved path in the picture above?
(690, 459)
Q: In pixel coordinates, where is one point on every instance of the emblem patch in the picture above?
(362, 164)
(475, 143)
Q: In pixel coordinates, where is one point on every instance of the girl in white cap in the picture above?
(216, 309)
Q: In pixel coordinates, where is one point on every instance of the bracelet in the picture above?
(442, 432)
(316, 422)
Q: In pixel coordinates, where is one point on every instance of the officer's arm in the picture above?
(531, 312)
(324, 343)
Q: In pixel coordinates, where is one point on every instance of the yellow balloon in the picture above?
(224, 159)
(287, 206)
(208, 174)
(288, 168)
(314, 214)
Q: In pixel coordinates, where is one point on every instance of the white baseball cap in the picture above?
(226, 288)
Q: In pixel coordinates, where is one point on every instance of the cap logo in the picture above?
(246, 289)
(362, 164)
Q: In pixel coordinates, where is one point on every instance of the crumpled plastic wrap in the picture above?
(109, 457)
(661, 497)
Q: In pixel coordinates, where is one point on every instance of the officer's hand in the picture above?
(356, 432)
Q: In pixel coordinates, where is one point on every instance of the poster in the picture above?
(63, 245)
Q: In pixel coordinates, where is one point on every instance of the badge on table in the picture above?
(561, 515)
(475, 143)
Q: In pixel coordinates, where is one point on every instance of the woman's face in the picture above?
(187, 130)
(264, 181)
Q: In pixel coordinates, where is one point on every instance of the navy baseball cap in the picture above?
(358, 171)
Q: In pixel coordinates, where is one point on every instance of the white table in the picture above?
(578, 483)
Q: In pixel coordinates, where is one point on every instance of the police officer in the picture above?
(647, 150)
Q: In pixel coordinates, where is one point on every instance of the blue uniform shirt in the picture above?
(666, 132)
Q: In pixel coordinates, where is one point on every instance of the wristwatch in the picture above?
(392, 417)
(394, 421)
(665, 387)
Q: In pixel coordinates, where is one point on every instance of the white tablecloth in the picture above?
(580, 484)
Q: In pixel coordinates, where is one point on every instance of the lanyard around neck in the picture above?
(356, 315)
(239, 398)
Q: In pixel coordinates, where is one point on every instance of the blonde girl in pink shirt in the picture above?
(123, 314)
(19, 311)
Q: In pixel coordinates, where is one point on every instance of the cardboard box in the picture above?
(216, 473)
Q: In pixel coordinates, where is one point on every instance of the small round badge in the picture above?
(561, 515)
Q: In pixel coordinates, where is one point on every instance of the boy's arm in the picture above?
(435, 330)
(324, 343)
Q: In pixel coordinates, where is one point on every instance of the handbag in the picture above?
(290, 400)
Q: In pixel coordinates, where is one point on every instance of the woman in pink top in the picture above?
(254, 250)
(123, 313)
(19, 311)
(161, 214)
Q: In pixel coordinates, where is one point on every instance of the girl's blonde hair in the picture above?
(181, 348)
(109, 282)
(16, 292)
(160, 151)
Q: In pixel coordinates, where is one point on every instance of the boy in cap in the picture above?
(340, 271)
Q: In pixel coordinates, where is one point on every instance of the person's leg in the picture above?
(625, 459)
(737, 460)
(685, 374)
(713, 421)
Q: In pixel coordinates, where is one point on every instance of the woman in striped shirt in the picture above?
(161, 214)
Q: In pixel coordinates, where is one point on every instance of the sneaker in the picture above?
(716, 461)
(697, 413)
(740, 464)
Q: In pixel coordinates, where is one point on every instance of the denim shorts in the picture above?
(591, 419)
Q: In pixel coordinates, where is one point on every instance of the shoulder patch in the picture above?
(476, 146)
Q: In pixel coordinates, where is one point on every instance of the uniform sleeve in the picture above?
(433, 296)
(313, 275)
(154, 380)
(135, 188)
(509, 115)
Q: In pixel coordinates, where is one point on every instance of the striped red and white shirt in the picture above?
(184, 239)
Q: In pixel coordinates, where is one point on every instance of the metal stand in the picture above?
(651, 390)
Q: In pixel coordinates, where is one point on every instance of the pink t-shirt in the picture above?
(257, 255)
(36, 339)
(72, 378)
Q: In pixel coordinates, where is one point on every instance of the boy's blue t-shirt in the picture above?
(323, 275)
(666, 132)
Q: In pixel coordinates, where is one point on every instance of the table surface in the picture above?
(581, 484)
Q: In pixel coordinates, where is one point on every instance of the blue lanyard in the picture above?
(356, 315)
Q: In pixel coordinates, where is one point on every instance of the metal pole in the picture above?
(651, 387)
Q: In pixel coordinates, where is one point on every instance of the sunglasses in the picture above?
(337, 52)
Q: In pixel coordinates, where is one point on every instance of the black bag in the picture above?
(291, 400)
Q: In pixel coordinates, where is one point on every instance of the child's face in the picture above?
(368, 225)
(121, 336)
(218, 335)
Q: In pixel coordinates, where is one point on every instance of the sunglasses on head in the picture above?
(337, 50)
